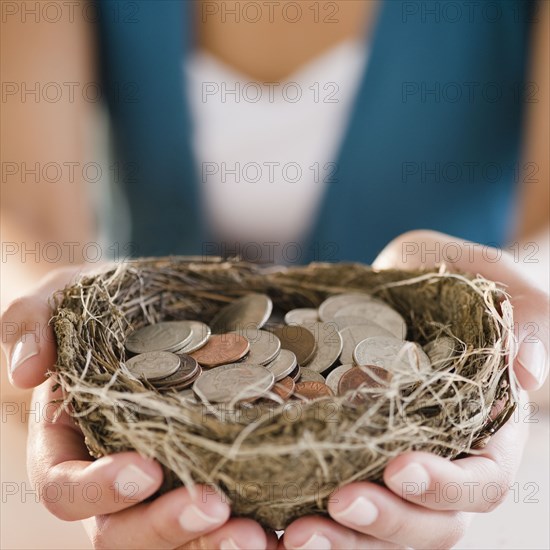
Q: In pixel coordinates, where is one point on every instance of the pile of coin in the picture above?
(247, 353)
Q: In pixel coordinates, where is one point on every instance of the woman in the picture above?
(429, 135)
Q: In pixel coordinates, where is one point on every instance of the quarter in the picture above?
(153, 365)
(166, 336)
(234, 382)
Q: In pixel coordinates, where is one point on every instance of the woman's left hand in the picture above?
(428, 500)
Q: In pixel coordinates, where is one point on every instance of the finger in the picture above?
(320, 533)
(178, 519)
(474, 484)
(422, 249)
(27, 338)
(272, 541)
(375, 511)
(68, 483)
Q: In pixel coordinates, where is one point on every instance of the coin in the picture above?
(378, 312)
(301, 315)
(349, 321)
(351, 336)
(233, 382)
(181, 385)
(334, 376)
(361, 377)
(153, 365)
(284, 388)
(199, 336)
(188, 383)
(250, 311)
(369, 376)
(264, 346)
(296, 373)
(312, 390)
(221, 349)
(308, 375)
(167, 336)
(188, 395)
(187, 369)
(392, 354)
(283, 365)
(297, 339)
(329, 345)
(333, 304)
(440, 350)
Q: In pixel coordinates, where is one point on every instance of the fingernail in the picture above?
(132, 482)
(361, 511)
(228, 544)
(194, 519)
(533, 358)
(411, 480)
(26, 348)
(315, 542)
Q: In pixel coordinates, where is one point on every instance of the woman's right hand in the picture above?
(107, 493)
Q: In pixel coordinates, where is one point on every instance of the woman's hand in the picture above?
(428, 499)
(109, 491)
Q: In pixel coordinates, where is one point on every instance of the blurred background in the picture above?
(285, 132)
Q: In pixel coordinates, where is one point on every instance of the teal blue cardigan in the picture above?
(433, 141)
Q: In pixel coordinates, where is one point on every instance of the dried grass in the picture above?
(277, 464)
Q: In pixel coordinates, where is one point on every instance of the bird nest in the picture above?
(282, 462)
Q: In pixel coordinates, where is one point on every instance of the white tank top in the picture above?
(266, 152)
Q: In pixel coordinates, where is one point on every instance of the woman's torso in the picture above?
(433, 139)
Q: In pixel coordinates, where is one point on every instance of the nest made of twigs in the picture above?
(283, 462)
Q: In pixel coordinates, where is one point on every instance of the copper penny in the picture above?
(312, 390)
(284, 388)
(297, 339)
(368, 376)
(222, 349)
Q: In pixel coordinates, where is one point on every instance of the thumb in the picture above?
(28, 340)
(426, 249)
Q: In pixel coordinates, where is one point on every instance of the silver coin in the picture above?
(264, 346)
(233, 382)
(329, 345)
(188, 395)
(333, 304)
(199, 336)
(282, 365)
(343, 322)
(167, 336)
(351, 336)
(378, 312)
(308, 375)
(394, 355)
(301, 315)
(153, 365)
(250, 311)
(441, 350)
(333, 378)
(188, 369)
